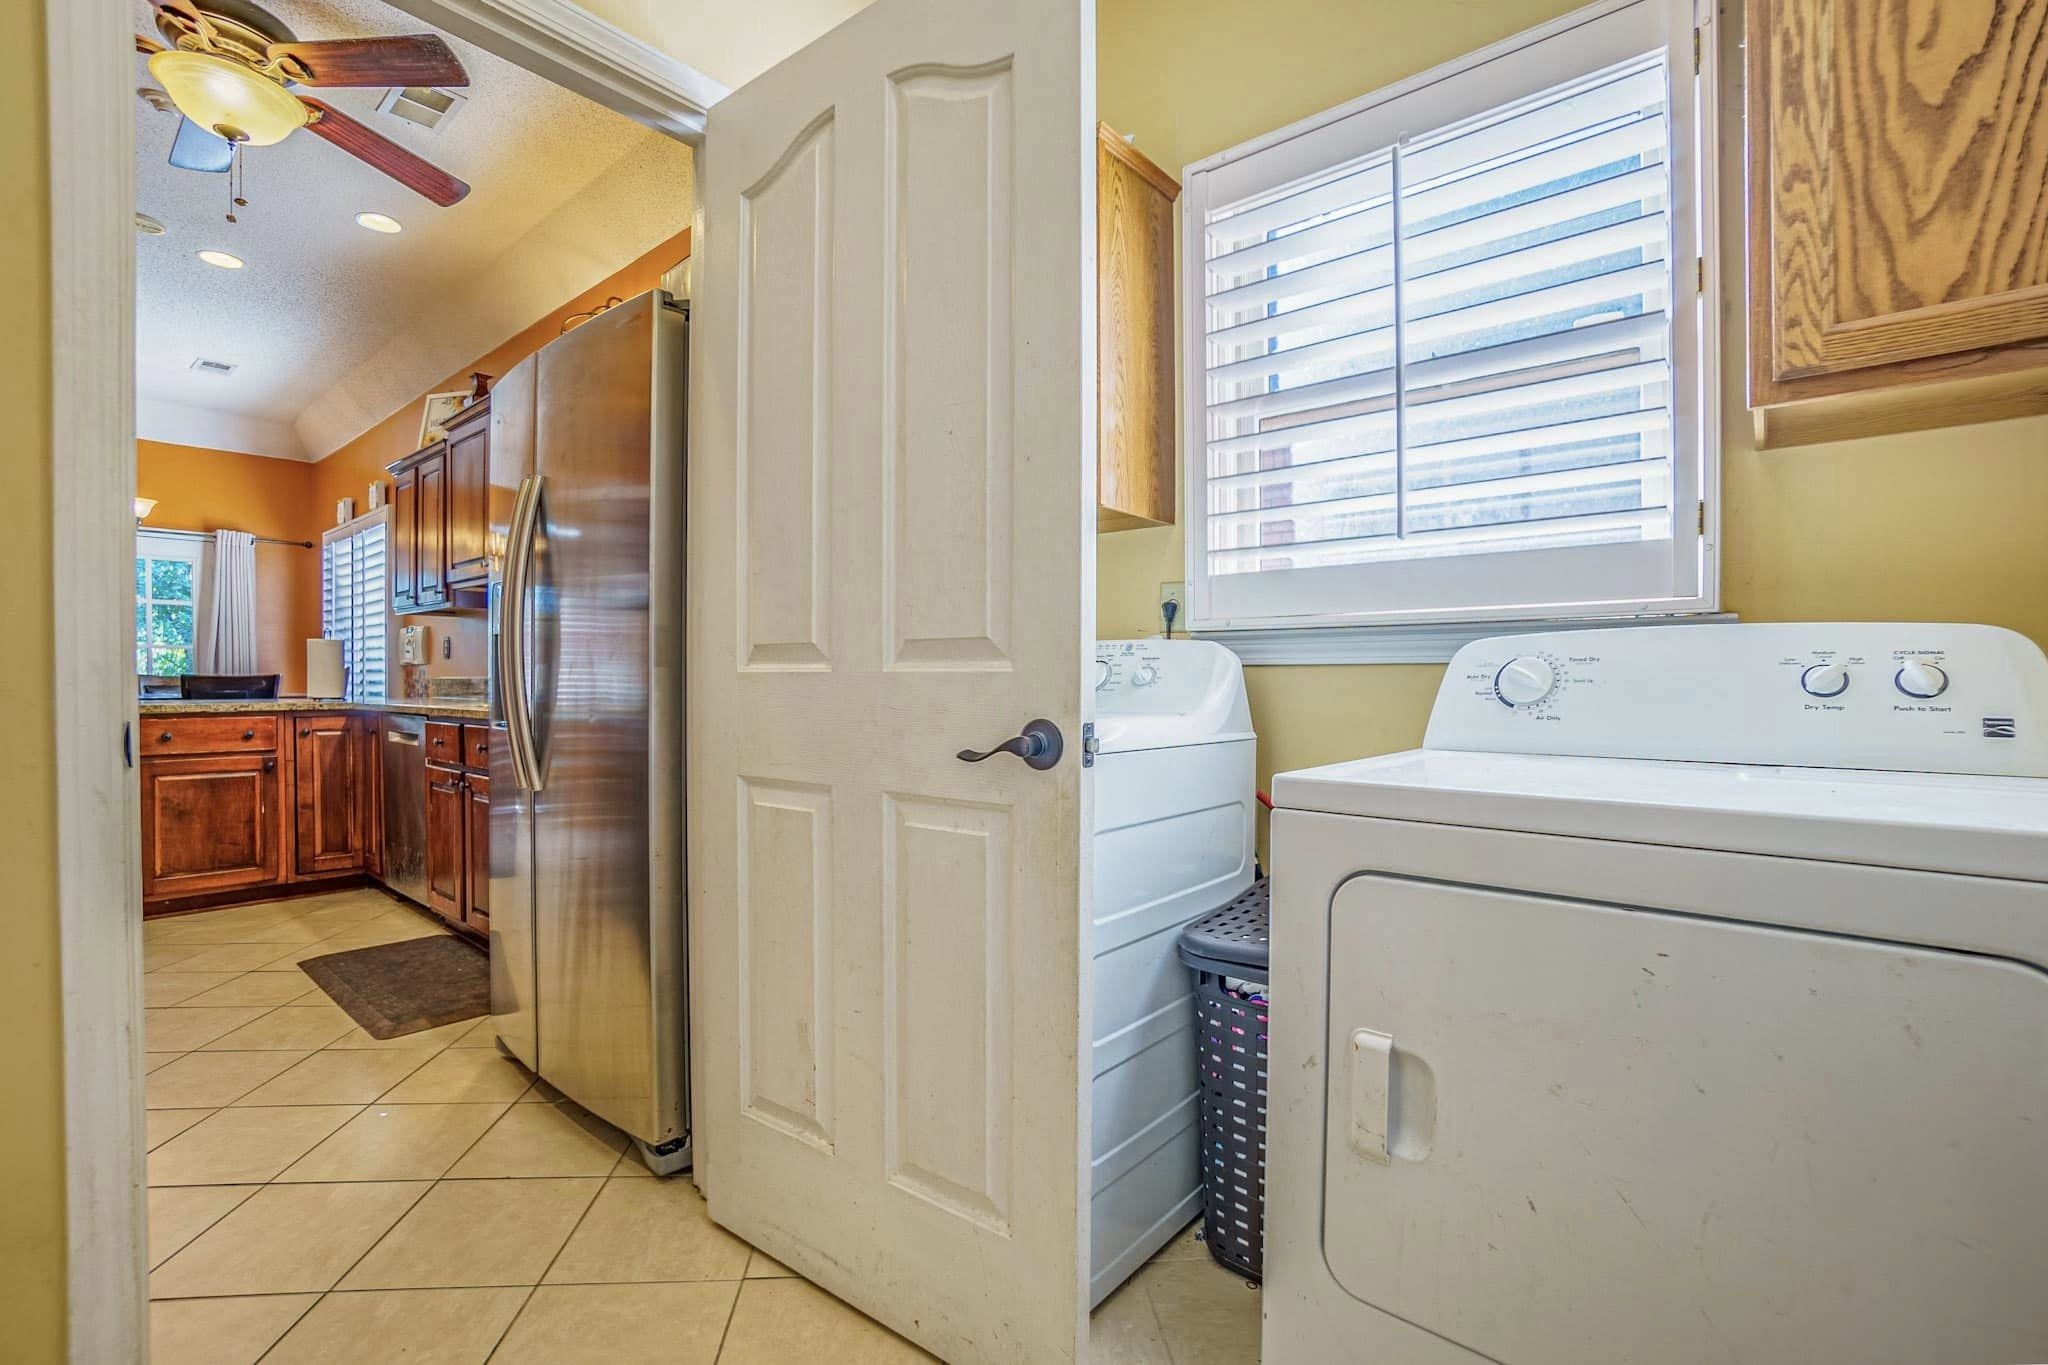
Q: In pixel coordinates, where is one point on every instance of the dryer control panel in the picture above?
(1904, 697)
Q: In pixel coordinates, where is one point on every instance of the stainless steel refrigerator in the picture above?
(588, 923)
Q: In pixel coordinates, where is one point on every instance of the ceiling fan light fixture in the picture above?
(220, 259)
(379, 222)
(228, 99)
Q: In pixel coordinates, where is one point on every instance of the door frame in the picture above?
(88, 46)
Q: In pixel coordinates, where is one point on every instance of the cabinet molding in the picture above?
(1136, 472)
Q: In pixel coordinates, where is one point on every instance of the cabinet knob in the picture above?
(248, 735)
(270, 765)
(164, 738)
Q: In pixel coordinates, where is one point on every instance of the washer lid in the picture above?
(1159, 694)
(1936, 822)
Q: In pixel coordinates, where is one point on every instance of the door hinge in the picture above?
(1696, 43)
(1699, 270)
(1090, 745)
(1703, 516)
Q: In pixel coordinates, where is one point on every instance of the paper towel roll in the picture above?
(324, 677)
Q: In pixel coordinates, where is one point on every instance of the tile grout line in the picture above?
(733, 1310)
(513, 1321)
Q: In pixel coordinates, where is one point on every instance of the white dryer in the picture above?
(1683, 1000)
(1175, 790)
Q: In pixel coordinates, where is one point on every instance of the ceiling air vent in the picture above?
(422, 106)
(205, 366)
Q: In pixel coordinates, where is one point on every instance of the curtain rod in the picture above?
(208, 535)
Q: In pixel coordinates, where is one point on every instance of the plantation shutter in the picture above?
(1456, 342)
(353, 605)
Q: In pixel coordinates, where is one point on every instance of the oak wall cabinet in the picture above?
(440, 518)
(1136, 473)
(1898, 215)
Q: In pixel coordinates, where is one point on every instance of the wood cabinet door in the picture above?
(405, 519)
(209, 824)
(331, 795)
(447, 813)
(1133, 336)
(430, 571)
(469, 509)
(1898, 150)
(476, 861)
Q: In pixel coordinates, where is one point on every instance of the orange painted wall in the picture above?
(349, 471)
(210, 490)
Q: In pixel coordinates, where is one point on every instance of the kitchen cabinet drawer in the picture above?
(444, 743)
(476, 748)
(163, 736)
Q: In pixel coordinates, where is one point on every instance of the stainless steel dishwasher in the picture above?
(405, 806)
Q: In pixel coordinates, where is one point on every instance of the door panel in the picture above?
(430, 547)
(476, 852)
(330, 786)
(468, 502)
(209, 824)
(405, 539)
(447, 814)
(1559, 1131)
(891, 500)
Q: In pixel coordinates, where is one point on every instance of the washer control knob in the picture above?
(1524, 681)
(1923, 680)
(1101, 674)
(1145, 675)
(1825, 680)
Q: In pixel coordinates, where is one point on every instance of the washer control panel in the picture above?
(1928, 698)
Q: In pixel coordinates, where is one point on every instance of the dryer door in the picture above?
(1562, 1132)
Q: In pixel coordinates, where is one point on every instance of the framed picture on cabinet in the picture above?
(440, 407)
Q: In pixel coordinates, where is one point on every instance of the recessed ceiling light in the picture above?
(221, 259)
(379, 222)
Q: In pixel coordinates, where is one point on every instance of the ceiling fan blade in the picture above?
(414, 59)
(195, 149)
(148, 47)
(415, 173)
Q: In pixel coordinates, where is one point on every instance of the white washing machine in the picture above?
(1683, 1000)
(1175, 790)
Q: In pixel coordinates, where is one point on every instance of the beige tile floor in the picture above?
(316, 1195)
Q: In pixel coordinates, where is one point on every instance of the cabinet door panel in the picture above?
(431, 571)
(468, 503)
(405, 518)
(331, 794)
(1898, 148)
(476, 842)
(446, 814)
(209, 824)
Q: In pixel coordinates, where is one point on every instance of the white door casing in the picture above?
(891, 511)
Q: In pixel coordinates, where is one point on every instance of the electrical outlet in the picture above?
(447, 646)
(1172, 592)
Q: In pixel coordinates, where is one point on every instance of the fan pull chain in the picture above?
(237, 181)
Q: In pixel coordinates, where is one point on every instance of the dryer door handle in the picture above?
(1393, 1100)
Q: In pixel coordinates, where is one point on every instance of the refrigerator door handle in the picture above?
(512, 634)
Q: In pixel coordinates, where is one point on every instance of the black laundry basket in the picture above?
(1224, 946)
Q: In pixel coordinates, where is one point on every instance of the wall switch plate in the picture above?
(447, 646)
(1174, 593)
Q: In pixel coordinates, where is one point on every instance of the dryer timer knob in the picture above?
(1921, 680)
(1524, 681)
(1145, 676)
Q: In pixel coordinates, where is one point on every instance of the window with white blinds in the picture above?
(1448, 349)
(353, 603)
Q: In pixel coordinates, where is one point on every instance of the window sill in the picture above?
(1407, 644)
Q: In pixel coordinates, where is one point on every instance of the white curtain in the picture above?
(227, 634)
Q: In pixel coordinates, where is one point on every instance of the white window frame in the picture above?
(379, 519)
(1297, 631)
(184, 549)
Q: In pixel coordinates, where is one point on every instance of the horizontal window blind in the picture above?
(1458, 344)
(352, 603)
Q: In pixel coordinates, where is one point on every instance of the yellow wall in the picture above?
(31, 1085)
(197, 489)
(1949, 525)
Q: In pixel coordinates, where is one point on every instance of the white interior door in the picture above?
(891, 557)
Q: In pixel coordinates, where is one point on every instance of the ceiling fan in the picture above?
(231, 66)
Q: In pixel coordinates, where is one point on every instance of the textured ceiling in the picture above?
(332, 327)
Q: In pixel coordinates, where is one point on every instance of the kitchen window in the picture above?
(353, 601)
(167, 573)
(1452, 354)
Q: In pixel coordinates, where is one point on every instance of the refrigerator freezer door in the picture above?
(608, 834)
(513, 1015)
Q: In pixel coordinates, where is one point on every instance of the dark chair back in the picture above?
(228, 686)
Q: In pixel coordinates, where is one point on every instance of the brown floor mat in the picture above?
(398, 988)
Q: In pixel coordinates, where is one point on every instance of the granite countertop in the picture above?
(457, 708)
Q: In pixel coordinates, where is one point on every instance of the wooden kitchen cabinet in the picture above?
(1136, 471)
(405, 520)
(331, 794)
(419, 530)
(469, 496)
(1898, 230)
(459, 824)
(210, 823)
